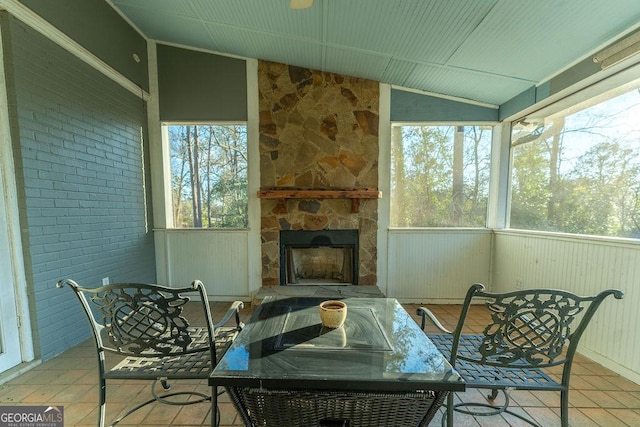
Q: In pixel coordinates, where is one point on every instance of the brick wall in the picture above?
(80, 177)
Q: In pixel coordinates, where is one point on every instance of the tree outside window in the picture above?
(440, 175)
(209, 175)
(579, 171)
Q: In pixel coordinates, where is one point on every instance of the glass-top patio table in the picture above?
(379, 368)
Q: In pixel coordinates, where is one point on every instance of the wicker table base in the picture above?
(295, 408)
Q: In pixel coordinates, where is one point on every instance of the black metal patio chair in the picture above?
(527, 331)
(151, 334)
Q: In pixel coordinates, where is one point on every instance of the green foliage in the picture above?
(424, 171)
(529, 187)
(209, 175)
(595, 165)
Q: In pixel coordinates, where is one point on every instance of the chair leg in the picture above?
(564, 408)
(102, 391)
(450, 404)
(214, 406)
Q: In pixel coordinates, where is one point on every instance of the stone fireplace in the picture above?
(319, 148)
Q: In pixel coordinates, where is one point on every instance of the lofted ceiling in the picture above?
(486, 51)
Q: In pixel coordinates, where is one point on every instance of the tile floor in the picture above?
(598, 396)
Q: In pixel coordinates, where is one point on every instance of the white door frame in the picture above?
(13, 282)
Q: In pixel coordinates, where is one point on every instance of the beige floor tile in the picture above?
(627, 416)
(544, 416)
(578, 399)
(577, 418)
(627, 399)
(603, 399)
(602, 417)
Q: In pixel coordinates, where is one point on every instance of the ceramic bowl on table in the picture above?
(333, 313)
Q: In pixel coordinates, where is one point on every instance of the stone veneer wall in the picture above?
(318, 130)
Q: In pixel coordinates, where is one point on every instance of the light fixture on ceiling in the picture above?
(301, 4)
(618, 51)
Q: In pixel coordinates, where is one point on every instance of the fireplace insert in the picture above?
(314, 257)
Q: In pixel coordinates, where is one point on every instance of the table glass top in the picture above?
(301, 329)
(380, 346)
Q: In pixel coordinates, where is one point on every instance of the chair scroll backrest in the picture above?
(144, 320)
(533, 328)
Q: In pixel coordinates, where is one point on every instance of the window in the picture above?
(579, 171)
(209, 175)
(440, 175)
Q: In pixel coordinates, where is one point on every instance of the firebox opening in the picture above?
(318, 257)
(321, 264)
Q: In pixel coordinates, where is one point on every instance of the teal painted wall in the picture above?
(199, 86)
(414, 107)
(101, 30)
(78, 153)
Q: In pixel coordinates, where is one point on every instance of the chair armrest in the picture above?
(234, 310)
(426, 313)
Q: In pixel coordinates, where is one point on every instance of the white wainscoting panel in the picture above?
(437, 265)
(219, 258)
(583, 265)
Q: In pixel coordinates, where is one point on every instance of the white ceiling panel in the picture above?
(531, 39)
(175, 29)
(398, 72)
(262, 16)
(272, 47)
(481, 50)
(421, 30)
(367, 65)
(170, 7)
(465, 84)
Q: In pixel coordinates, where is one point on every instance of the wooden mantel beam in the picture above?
(291, 193)
(288, 193)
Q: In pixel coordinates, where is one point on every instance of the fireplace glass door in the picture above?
(319, 265)
(318, 257)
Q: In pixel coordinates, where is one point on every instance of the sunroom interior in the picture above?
(329, 99)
